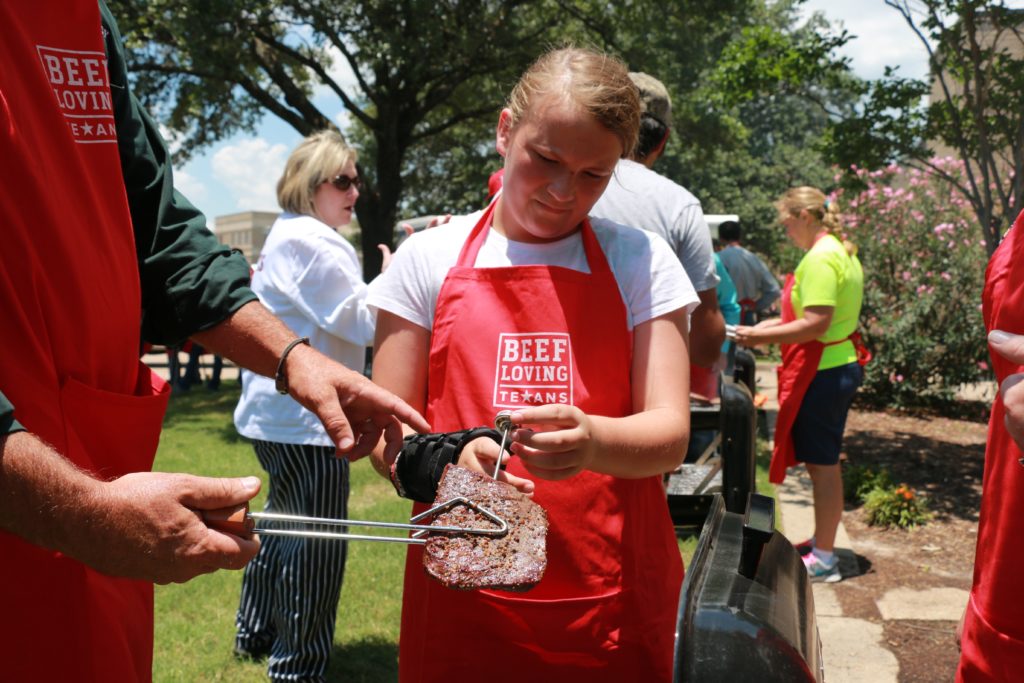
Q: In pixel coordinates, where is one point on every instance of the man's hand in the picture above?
(142, 526)
(1011, 347)
(355, 411)
(149, 526)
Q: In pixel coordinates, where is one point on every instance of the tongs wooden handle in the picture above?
(239, 521)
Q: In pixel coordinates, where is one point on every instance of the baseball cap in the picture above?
(653, 97)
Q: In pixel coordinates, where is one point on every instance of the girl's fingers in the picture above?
(553, 442)
(547, 460)
(555, 414)
(548, 474)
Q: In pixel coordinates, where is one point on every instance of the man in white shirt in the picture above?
(640, 197)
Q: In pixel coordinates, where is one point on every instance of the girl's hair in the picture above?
(597, 83)
(814, 202)
(315, 161)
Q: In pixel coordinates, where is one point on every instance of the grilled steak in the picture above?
(514, 562)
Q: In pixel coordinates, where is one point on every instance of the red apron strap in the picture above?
(596, 260)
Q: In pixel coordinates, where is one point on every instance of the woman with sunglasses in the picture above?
(309, 276)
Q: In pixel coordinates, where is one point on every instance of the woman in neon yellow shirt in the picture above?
(820, 369)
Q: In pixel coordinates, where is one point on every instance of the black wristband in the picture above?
(417, 470)
(280, 379)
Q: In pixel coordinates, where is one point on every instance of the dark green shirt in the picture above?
(190, 282)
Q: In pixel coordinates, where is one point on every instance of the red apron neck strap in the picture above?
(596, 259)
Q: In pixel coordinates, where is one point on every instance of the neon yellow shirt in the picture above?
(828, 276)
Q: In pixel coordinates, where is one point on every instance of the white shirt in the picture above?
(640, 197)
(650, 279)
(308, 276)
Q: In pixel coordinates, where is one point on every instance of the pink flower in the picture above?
(946, 276)
(982, 365)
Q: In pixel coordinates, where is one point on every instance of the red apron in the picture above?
(795, 373)
(993, 635)
(69, 289)
(605, 609)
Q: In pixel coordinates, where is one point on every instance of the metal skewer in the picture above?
(503, 423)
(240, 522)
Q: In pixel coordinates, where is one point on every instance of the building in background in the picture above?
(245, 231)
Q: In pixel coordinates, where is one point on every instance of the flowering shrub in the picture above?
(924, 263)
(899, 507)
(859, 481)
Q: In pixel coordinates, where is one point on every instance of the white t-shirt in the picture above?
(308, 276)
(650, 279)
(638, 196)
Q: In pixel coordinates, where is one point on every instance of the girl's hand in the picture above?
(480, 455)
(560, 445)
(770, 322)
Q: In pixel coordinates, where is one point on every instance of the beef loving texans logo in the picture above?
(533, 369)
(82, 87)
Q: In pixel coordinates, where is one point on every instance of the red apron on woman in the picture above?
(993, 634)
(605, 609)
(70, 293)
(795, 373)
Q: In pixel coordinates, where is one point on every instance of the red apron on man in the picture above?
(70, 292)
(605, 609)
(992, 648)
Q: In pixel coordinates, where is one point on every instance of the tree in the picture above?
(976, 56)
(418, 69)
(776, 87)
(427, 79)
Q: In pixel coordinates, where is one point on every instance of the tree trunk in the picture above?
(377, 207)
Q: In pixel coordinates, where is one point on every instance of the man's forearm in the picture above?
(41, 492)
(252, 337)
(707, 331)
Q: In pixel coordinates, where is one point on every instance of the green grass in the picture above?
(195, 621)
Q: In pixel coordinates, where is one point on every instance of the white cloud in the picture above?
(341, 72)
(250, 169)
(190, 186)
(882, 37)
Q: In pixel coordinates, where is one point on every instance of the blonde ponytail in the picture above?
(817, 204)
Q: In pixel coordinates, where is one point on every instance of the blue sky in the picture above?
(239, 174)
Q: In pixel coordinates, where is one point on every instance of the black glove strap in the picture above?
(417, 470)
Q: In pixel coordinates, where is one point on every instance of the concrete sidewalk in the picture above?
(853, 650)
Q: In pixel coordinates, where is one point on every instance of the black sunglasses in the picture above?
(343, 182)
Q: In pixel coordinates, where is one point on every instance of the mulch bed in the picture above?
(944, 459)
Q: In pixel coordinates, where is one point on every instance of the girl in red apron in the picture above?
(602, 404)
(821, 363)
(992, 642)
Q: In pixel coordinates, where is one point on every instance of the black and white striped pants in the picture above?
(290, 589)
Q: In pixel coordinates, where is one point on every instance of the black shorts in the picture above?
(818, 429)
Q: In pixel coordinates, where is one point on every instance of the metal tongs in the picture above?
(730, 332)
(238, 520)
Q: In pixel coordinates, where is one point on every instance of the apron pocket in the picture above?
(120, 430)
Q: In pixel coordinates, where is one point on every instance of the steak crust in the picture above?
(514, 562)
